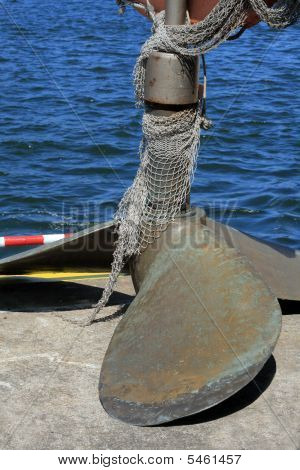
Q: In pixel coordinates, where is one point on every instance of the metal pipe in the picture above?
(175, 12)
(176, 15)
(170, 86)
(26, 240)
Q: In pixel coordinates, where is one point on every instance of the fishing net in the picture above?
(169, 147)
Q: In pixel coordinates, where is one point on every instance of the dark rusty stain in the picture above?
(152, 82)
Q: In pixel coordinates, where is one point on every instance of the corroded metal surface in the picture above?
(201, 327)
(170, 81)
(279, 266)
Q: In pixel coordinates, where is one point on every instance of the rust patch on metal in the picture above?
(152, 82)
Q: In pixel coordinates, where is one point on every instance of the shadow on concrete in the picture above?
(119, 313)
(53, 296)
(289, 307)
(238, 401)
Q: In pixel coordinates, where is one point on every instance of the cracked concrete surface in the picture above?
(49, 372)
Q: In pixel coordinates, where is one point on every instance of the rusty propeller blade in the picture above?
(200, 328)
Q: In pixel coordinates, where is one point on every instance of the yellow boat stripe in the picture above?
(50, 275)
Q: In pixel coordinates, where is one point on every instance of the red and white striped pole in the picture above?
(23, 240)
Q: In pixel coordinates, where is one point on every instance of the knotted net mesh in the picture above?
(169, 147)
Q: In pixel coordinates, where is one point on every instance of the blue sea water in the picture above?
(70, 131)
